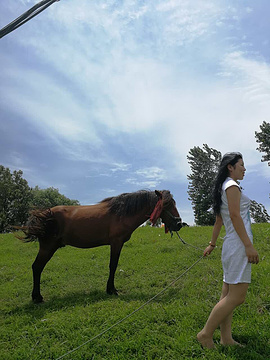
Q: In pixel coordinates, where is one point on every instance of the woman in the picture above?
(231, 207)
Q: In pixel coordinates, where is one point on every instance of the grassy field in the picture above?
(76, 307)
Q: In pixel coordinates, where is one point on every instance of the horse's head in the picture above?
(167, 211)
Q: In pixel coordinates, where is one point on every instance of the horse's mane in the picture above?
(128, 204)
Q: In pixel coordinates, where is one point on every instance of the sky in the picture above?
(99, 98)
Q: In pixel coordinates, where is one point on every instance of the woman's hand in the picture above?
(252, 254)
(208, 250)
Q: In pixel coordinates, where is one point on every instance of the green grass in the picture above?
(76, 307)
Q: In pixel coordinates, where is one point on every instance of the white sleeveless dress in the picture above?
(236, 268)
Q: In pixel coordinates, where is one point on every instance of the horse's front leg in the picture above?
(116, 248)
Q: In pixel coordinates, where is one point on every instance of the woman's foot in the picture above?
(230, 342)
(205, 341)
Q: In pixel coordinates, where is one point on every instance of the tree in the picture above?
(15, 198)
(263, 138)
(258, 212)
(50, 197)
(204, 166)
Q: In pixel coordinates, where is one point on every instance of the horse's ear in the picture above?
(158, 193)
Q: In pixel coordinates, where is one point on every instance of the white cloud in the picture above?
(120, 167)
(187, 20)
(249, 9)
(49, 106)
(152, 172)
(110, 192)
(147, 177)
(135, 93)
(91, 76)
(151, 184)
(253, 76)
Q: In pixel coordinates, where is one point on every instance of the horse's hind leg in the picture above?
(116, 248)
(44, 255)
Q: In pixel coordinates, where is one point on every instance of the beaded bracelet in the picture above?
(212, 245)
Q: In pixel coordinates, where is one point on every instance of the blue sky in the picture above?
(104, 97)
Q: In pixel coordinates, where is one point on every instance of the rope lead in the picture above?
(139, 308)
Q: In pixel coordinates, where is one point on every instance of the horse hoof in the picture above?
(112, 292)
(37, 299)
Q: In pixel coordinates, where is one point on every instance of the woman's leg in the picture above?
(226, 324)
(222, 313)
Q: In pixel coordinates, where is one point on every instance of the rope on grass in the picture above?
(132, 313)
(185, 243)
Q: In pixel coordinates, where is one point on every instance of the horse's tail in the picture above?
(40, 225)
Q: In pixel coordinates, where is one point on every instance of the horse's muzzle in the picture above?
(176, 224)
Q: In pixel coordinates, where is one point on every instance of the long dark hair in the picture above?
(229, 158)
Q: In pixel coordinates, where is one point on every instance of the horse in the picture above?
(109, 222)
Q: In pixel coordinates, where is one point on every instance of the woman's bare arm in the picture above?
(233, 196)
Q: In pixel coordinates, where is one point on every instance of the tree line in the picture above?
(17, 198)
(204, 163)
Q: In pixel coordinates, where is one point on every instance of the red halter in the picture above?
(156, 212)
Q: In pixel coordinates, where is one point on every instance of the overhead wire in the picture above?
(26, 16)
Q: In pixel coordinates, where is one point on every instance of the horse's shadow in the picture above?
(83, 298)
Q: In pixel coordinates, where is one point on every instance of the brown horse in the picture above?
(110, 222)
